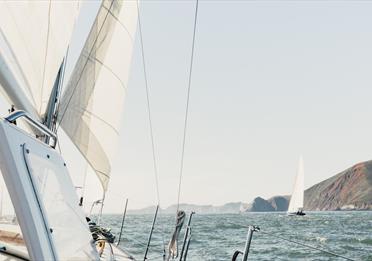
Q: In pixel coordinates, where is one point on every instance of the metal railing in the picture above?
(22, 114)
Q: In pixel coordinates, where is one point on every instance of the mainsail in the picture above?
(90, 109)
(34, 38)
(297, 200)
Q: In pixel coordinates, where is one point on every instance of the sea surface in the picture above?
(218, 236)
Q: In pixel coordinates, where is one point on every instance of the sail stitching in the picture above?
(118, 20)
(90, 52)
(109, 69)
(82, 110)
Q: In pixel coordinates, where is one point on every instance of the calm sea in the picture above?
(216, 237)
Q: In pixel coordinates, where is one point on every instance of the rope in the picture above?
(149, 115)
(298, 243)
(187, 105)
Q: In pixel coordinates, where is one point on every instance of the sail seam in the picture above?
(118, 20)
(90, 52)
(109, 69)
(98, 118)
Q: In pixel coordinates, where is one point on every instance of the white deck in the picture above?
(12, 246)
(15, 248)
(118, 254)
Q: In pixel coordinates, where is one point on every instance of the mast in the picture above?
(50, 118)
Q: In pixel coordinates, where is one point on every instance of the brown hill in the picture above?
(350, 189)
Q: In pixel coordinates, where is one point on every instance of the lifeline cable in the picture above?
(309, 246)
(299, 243)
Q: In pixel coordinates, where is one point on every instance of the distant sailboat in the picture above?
(296, 203)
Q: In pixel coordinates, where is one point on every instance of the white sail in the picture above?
(297, 199)
(90, 110)
(34, 39)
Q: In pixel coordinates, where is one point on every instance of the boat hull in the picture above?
(296, 214)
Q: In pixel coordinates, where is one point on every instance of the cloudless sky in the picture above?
(272, 80)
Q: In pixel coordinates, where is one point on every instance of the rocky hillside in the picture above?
(350, 189)
(277, 203)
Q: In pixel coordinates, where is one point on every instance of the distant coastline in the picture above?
(348, 190)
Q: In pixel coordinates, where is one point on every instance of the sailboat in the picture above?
(296, 204)
(34, 46)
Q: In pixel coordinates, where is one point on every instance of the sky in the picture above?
(272, 80)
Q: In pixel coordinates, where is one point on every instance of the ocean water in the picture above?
(216, 237)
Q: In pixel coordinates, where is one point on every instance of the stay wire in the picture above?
(187, 105)
(149, 115)
(148, 106)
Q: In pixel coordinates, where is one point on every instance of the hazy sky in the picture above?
(272, 80)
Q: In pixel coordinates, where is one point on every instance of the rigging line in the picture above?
(45, 57)
(85, 64)
(149, 118)
(84, 180)
(148, 106)
(187, 105)
(308, 246)
(295, 242)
